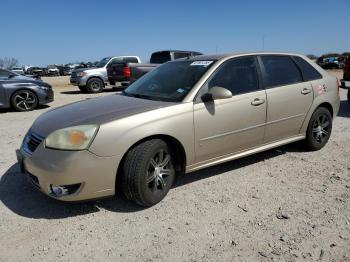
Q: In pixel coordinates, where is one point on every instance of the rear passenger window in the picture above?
(238, 75)
(308, 71)
(279, 70)
(130, 60)
(181, 55)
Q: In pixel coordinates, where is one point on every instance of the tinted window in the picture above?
(160, 57)
(308, 71)
(279, 70)
(130, 60)
(238, 75)
(181, 55)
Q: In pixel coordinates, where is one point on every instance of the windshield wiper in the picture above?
(138, 95)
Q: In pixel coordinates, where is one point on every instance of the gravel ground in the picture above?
(284, 204)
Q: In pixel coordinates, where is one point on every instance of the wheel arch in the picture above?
(327, 106)
(98, 77)
(175, 144)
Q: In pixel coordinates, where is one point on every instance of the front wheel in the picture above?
(24, 100)
(148, 172)
(95, 85)
(319, 129)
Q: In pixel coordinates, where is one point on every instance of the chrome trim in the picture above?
(248, 128)
(231, 132)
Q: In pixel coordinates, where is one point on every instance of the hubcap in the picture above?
(95, 85)
(159, 170)
(321, 128)
(25, 100)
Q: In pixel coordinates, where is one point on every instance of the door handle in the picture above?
(306, 91)
(257, 102)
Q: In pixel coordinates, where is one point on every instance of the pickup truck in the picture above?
(127, 72)
(94, 80)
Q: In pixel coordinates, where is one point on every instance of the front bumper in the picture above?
(78, 81)
(45, 96)
(92, 176)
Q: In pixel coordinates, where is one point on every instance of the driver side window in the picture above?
(238, 75)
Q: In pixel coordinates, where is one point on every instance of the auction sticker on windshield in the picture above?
(201, 63)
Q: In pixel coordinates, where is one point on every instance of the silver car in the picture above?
(94, 80)
(183, 116)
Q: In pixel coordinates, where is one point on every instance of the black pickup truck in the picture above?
(127, 73)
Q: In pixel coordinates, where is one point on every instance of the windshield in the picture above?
(169, 82)
(103, 62)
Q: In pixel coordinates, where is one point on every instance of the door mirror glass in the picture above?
(216, 93)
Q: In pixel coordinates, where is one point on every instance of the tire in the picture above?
(349, 95)
(95, 85)
(24, 100)
(148, 172)
(83, 89)
(319, 129)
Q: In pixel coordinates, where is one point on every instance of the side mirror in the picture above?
(216, 93)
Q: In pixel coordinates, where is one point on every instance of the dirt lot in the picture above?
(284, 204)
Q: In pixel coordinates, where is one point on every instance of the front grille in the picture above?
(32, 142)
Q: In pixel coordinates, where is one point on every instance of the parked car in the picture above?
(93, 80)
(183, 116)
(23, 93)
(328, 63)
(345, 82)
(36, 71)
(52, 70)
(64, 70)
(18, 70)
(129, 72)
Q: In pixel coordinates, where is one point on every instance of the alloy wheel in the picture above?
(159, 170)
(25, 100)
(321, 128)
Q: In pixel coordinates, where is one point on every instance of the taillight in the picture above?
(338, 85)
(126, 71)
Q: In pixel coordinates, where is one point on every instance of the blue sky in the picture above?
(46, 32)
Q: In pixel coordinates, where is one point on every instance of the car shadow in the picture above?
(344, 109)
(11, 110)
(18, 195)
(106, 90)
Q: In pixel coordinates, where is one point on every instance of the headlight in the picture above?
(82, 74)
(72, 138)
(44, 87)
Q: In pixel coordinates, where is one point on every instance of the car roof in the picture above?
(229, 55)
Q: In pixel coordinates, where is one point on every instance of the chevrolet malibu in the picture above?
(185, 115)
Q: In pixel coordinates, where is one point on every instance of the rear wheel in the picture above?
(319, 129)
(95, 85)
(148, 172)
(24, 100)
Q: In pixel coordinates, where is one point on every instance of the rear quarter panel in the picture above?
(325, 91)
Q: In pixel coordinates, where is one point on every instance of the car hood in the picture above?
(93, 111)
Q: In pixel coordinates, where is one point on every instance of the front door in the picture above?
(227, 126)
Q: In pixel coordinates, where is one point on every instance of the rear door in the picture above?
(289, 97)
